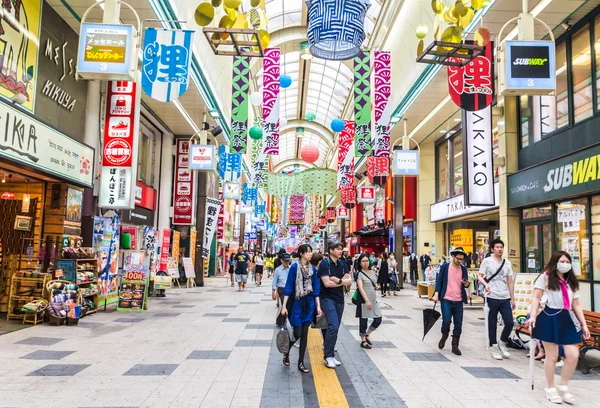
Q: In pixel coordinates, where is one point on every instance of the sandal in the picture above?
(368, 341)
(553, 396)
(286, 359)
(365, 345)
(566, 395)
(302, 368)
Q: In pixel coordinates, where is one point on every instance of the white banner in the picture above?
(477, 151)
(116, 188)
(213, 206)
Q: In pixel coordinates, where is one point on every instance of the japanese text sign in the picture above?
(184, 197)
(202, 157)
(472, 86)
(343, 213)
(367, 194)
(119, 128)
(346, 156)
(213, 207)
(164, 249)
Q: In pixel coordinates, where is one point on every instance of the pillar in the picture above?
(165, 188)
(91, 137)
(398, 226)
(426, 231)
(343, 232)
(508, 149)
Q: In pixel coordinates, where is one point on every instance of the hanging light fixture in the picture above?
(26, 199)
(8, 195)
(305, 51)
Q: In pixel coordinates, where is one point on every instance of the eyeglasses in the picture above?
(459, 258)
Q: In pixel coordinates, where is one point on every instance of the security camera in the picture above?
(216, 131)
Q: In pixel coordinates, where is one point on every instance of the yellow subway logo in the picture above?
(579, 172)
(530, 61)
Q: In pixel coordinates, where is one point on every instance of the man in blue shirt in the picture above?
(241, 269)
(334, 275)
(280, 277)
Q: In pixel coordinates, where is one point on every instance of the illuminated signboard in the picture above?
(528, 68)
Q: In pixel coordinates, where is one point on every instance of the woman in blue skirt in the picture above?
(557, 322)
(301, 301)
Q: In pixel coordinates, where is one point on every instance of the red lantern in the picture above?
(310, 153)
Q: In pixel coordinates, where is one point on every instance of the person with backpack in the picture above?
(366, 301)
(334, 275)
(450, 288)
(497, 277)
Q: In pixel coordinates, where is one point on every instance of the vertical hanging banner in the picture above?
(233, 167)
(164, 249)
(346, 156)
(221, 220)
(378, 169)
(239, 102)
(472, 87)
(119, 152)
(383, 110)
(362, 103)
(193, 234)
(166, 63)
(296, 209)
(259, 163)
(348, 197)
(478, 146)
(271, 89)
(183, 196)
(213, 206)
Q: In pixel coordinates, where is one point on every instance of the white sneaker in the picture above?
(296, 345)
(337, 363)
(504, 350)
(330, 362)
(560, 363)
(496, 353)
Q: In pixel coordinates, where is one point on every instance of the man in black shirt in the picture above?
(241, 269)
(334, 275)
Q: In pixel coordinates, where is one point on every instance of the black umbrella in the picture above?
(430, 316)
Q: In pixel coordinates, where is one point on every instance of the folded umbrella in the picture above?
(532, 361)
(430, 316)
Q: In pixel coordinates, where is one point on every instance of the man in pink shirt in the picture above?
(450, 287)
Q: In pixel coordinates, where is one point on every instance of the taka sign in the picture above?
(202, 157)
(367, 194)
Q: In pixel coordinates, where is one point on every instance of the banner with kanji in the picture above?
(472, 87)
(378, 169)
(271, 89)
(382, 78)
(213, 206)
(259, 163)
(296, 209)
(348, 197)
(345, 176)
(362, 103)
(239, 104)
(229, 165)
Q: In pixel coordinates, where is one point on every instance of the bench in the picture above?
(592, 320)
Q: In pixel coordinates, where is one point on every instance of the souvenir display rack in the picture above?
(25, 288)
(80, 266)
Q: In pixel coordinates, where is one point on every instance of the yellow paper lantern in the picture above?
(477, 4)
(240, 21)
(254, 3)
(233, 4)
(216, 3)
(465, 20)
(437, 6)
(420, 47)
(460, 8)
(204, 14)
(422, 31)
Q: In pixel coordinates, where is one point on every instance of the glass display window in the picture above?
(443, 174)
(581, 63)
(572, 234)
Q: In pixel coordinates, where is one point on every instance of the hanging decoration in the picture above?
(313, 181)
(256, 132)
(310, 153)
(285, 81)
(348, 198)
(336, 28)
(259, 158)
(256, 98)
(311, 116)
(362, 103)
(378, 170)
(472, 87)
(383, 109)
(345, 174)
(239, 101)
(337, 125)
(330, 214)
(296, 209)
(8, 195)
(271, 90)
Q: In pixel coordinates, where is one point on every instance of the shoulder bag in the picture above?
(357, 292)
(496, 274)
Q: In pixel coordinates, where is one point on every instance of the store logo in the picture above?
(117, 152)
(530, 61)
(51, 90)
(183, 205)
(19, 137)
(579, 172)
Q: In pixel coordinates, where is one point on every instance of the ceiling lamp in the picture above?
(310, 153)
(336, 33)
(305, 51)
(299, 133)
(8, 195)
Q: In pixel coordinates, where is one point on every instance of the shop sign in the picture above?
(145, 196)
(528, 68)
(134, 288)
(138, 216)
(477, 147)
(107, 52)
(164, 249)
(366, 194)
(232, 190)
(202, 157)
(455, 207)
(213, 206)
(471, 87)
(115, 188)
(193, 234)
(406, 162)
(379, 214)
(343, 213)
(572, 175)
(30, 142)
(176, 240)
(119, 127)
(184, 197)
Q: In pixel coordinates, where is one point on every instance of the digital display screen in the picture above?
(530, 62)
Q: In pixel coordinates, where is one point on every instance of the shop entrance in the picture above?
(537, 245)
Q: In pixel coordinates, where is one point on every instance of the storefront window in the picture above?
(596, 237)
(582, 74)
(443, 182)
(572, 235)
(562, 100)
(457, 162)
(537, 212)
(597, 51)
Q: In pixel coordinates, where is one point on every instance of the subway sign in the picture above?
(528, 68)
(572, 175)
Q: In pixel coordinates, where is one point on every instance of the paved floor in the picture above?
(214, 347)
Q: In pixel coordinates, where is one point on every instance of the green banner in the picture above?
(314, 181)
(239, 104)
(362, 104)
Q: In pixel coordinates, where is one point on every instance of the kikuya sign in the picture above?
(572, 175)
(477, 146)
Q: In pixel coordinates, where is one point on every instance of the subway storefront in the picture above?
(559, 204)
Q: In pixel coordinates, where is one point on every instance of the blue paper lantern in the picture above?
(337, 125)
(336, 28)
(285, 81)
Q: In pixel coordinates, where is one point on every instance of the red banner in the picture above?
(348, 196)
(145, 196)
(164, 249)
(221, 219)
(346, 156)
(472, 86)
(378, 169)
(119, 124)
(183, 197)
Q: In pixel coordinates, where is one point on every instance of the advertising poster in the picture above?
(74, 203)
(523, 291)
(164, 249)
(104, 230)
(133, 291)
(193, 235)
(176, 239)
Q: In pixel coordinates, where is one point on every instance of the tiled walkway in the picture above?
(214, 347)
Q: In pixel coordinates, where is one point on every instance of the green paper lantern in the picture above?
(256, 132)
(310, 116)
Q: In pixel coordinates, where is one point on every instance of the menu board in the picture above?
(172, 267)
(133, 292)
(188, 266)
(523, 292)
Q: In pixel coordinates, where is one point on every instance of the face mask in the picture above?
(563, 267)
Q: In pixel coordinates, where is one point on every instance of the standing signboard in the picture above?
(188, 267)
(164, 249)
(183, 197)
(133, 292)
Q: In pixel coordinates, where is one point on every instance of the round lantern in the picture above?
(310, 153)
(310, 116)
(256, 98)
(285, 81)
(282, 123)
(337, 125)
(256, 132)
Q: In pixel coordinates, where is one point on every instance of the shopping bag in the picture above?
(290, 330)
(320, 322)
(355, 297)
(283, 341)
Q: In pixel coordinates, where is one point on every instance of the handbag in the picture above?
(357, 292)
(320, 322)
(283, 341)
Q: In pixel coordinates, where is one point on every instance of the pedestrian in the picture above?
(259, 264)
(241, 269)
(366, 304)
(450, 287)
(334, 275)
(280, 278)
(316, 259)
(383, 275)
(397, 283)
(555, 325)
(413, 264)
(277, 262)
(231, 262)
(301, 302)
(497, 277)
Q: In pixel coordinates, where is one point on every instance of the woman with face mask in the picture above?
(556, 324)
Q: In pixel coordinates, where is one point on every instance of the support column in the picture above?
(343, 232)
(427, 232)
(242, 229)
(91, 137)
(510, 225)
(165, 188)
(398, 249)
